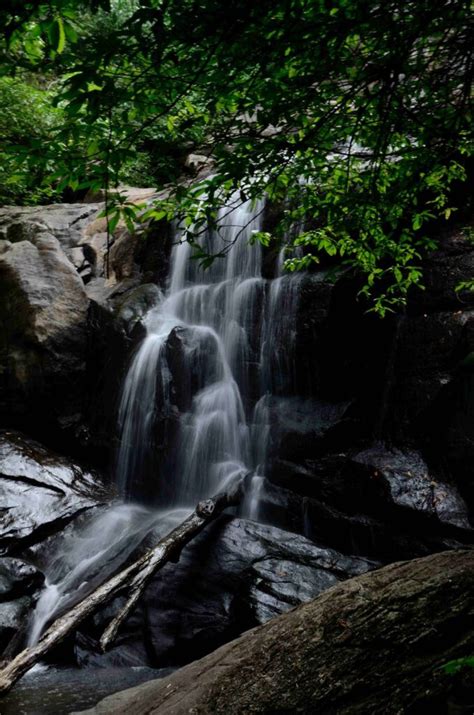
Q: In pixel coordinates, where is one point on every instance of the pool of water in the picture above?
(59, 691)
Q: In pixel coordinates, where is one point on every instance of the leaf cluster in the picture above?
(354, 117)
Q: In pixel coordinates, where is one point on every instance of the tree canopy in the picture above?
(353, 116)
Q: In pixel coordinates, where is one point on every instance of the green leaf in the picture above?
(454, 666)
(57, 35)
(112, 221)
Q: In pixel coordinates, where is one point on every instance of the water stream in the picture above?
(195, 405)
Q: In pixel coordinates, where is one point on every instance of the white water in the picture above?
(217, 346)
(237, 329)
(86, 556)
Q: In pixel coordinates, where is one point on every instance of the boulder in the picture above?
(40, 492)
(305, 428)
(43, 313)
(403, 479)
(12, 618)
(57, 310)
(132, 308)
(374, 644)
(18, 578)
(236, 574)
(67, 222)
(383, 502)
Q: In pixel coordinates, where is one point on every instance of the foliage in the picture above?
(455, 666)
(27, 119)
(355, 117)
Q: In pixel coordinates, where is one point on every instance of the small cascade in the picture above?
(217, 345)
(86, 556)
(90, 553)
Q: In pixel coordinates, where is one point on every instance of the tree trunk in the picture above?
(137, 575)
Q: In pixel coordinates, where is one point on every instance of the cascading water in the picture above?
(230, 324)
(197, 394)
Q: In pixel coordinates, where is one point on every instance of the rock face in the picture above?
(403, 479)
(19, 585)
(374, 644)
(18, 578)
(13, 615)
(235, 575)
(392, 510)
(43, 312)
(40, 493)
(371, 437)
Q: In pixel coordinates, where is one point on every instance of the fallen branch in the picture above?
(165, 551)
(137, 575)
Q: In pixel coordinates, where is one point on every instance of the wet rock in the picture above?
(40, 492)
(18, 578)
(134, 306)
(12, 616)
(236, 574)
(381, 502)
(403, 478)
(192, 354)
(346, 355)
(110, 349)
(129, 655)
(302, 429)
(428, 349)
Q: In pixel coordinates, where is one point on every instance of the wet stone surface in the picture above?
(40, 492)
(235, 575)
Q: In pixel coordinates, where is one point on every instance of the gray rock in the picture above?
(406, 482)
(40, 492)
(236, 574)
(43, 312)
(67, 222)
(134, 306)
(18, 578)
(399, 625)
(12, 614)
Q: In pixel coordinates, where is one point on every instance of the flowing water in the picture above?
(217, 345)
(86, 556)
(195, 406)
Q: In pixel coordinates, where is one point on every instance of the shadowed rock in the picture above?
(374, 644)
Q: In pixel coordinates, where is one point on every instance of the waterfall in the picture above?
(195, 408)
(216, 345)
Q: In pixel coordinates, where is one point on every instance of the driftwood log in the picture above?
(135, 576)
